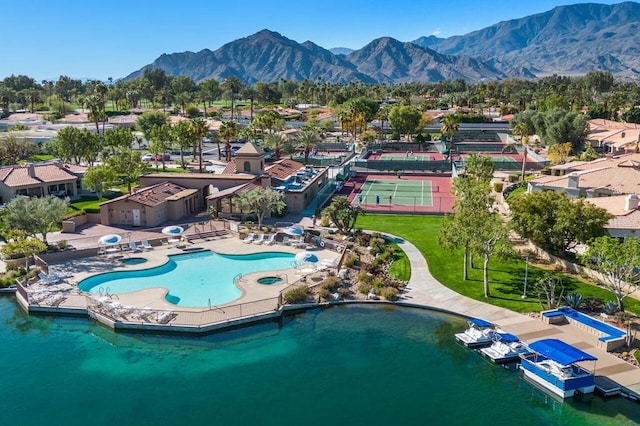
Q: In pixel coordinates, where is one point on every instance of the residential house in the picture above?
(40, 179)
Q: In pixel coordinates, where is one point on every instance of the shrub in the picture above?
(378, 283)
(296, 295)
(513, 178)
(344, 292)
(331, 284)
(498, 186)
(364, 287)
(593, 304)
(573, 300)
(350, 260)
(365, 278)
(610, 308)
(325, 294)
(390, 293)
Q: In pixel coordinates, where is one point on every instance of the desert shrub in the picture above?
(350, 260)
(324, 221)
(498, 186)
(593, 304)
(364, 287)
(386, 256)
(331, 284)
(344, 292)
(610, 308)
(325, 294)
(513, 178)
(390, 293)
(364, 277)
(363, 239)
(296, 295)
(573, 300)
(378, 283)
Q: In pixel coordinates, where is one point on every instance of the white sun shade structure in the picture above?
(173, 230)
(109, 240)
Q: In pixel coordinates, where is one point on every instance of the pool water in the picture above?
(193, 279)
(356, 365)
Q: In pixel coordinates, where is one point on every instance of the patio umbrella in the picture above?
(306, 257)
(110, 239)
(172, 230)
(294, 231)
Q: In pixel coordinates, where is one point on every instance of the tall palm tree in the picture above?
(228, 130)
(450, 124)
(307, 140)
(233, 85)
(276, 142)
(522, 130)
(200, 128)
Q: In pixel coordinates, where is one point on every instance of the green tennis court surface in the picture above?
(402, 156)
(396, 192)
(496, 158)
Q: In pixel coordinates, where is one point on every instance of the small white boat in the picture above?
(506, 347)
(479, 333)
(552, 365)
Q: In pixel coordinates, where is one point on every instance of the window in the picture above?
(247, 166)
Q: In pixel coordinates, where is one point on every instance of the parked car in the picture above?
(147, 157)
(167, 157)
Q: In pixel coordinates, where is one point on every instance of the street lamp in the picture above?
(526, 273)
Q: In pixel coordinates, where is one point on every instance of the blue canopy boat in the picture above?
(553, 365)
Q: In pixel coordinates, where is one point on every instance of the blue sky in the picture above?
(99, 39)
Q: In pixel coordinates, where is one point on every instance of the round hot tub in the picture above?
(270, 280)
(134, 261)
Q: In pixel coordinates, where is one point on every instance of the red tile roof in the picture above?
(153, 195)
(283, 169)
(18, 176)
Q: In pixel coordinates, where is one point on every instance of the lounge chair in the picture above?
(249, 238)
(145, 245)
(270, 240)
(259, 240)
(134, 247)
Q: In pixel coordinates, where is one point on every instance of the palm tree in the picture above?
(233, 85)
(228, 130)
(93, 102)
(276, 142)
(200, 128)
(307, 140)
(450, 125)
(522, 131)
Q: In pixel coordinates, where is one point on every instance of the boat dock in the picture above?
(612, 373)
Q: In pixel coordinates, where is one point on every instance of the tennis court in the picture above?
(411, 193)
(497, 158)
(395, 192)
(406, 156)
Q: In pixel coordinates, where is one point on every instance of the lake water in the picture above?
(345, 365)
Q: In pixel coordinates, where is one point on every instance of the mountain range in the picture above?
(567, 40)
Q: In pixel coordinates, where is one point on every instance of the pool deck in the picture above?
(256, 299)
(424, 290)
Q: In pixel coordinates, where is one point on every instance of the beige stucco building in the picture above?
(151, 206)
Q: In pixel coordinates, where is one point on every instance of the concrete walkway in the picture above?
(424, 290)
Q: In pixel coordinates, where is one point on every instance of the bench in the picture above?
(609, 337)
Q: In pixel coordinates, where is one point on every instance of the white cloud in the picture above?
(436, 32)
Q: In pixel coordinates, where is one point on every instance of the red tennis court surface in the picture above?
(441, 197)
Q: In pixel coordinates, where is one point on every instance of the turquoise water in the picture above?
(349, 365)
(194, 279)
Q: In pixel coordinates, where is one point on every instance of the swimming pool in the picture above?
(193, 279)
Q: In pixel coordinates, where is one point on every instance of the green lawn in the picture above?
(400, 269)
(506, 277)
(91, 204)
